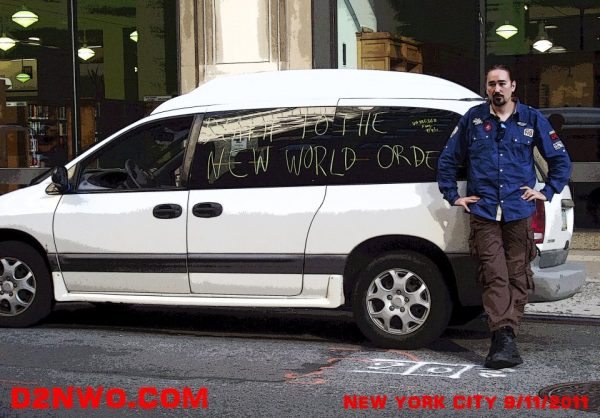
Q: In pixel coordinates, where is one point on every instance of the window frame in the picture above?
(196, 121)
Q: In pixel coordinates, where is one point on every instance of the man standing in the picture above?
(495, 140)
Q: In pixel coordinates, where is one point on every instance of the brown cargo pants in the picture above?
(504, 250)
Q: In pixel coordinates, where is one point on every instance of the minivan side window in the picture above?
(392, 144)
(148, 157)
(258, 148)
(320, 146)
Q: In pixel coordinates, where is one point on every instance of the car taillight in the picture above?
(538, 222)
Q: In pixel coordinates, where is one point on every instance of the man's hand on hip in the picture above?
(531, 194)
(465, 201)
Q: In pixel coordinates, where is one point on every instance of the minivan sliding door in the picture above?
(257, 181)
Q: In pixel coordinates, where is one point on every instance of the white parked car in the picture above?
(289, 189)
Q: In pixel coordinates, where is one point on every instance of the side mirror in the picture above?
(60, 181)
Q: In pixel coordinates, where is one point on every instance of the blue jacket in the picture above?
(499, 160)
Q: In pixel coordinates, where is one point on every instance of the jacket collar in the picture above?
(520, 114)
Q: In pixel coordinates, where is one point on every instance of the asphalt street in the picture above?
(285, 363)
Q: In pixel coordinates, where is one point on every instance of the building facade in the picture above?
(78, 70)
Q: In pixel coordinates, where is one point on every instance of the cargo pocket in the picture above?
(532, 250)
(472, 244)
(474, 253)
(531, 254)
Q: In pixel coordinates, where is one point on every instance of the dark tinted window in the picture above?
(393, 145)
(148, 157)
(315, 146)
(257, 148)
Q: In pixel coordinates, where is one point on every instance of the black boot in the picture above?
(503, 351)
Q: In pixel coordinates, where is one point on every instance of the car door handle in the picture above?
(207, 210)
(167, 211)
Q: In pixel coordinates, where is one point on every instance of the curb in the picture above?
(562, 319)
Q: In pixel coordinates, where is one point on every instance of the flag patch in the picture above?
(553, 136)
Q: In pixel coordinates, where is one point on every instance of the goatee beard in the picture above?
(499, 100)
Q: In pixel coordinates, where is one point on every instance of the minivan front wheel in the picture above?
(401, 301)
(25, 286)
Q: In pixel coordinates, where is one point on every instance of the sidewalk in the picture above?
(586, 303)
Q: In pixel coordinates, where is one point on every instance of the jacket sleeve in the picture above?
(452, 156)
(554, 152)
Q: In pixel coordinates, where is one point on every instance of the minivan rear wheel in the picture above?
(25, 286)
(400, 300)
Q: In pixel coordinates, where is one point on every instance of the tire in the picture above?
(25, 285)
(410, 325)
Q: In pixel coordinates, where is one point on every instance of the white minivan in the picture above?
(311, 188)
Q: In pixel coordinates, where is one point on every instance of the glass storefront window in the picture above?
(126, 56)
(555, 56)
(553, 47)
(133, 64)
(431, 37)
(37, 94)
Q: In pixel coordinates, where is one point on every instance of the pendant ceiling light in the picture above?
(507, 30)
(542, 45)
(542, 42)
(6, 43)
(84, 52)
(23, 77)
(557, 49)
(25, 17)
(134, 36)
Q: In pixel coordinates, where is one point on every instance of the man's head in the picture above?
(499, 85)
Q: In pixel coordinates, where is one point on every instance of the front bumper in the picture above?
(556, 283)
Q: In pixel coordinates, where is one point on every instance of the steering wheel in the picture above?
(140, 177)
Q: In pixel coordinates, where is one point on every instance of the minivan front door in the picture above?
(116, 243)
(124, 227)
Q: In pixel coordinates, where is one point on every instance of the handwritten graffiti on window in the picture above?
(321, 142)
(428, 125)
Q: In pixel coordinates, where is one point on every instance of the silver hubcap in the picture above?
(17, 286)
(398, 301)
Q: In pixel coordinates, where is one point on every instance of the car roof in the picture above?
(316, 87)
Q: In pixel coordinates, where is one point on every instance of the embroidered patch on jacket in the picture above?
(487, 126)
(522, 123)
(553, 135)
(454, 131)
(558, 145)
(528, 132)
(477, 121)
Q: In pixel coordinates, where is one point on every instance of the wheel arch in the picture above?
(366, 251)
(8, 234)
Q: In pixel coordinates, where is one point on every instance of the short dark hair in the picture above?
(500, 67)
